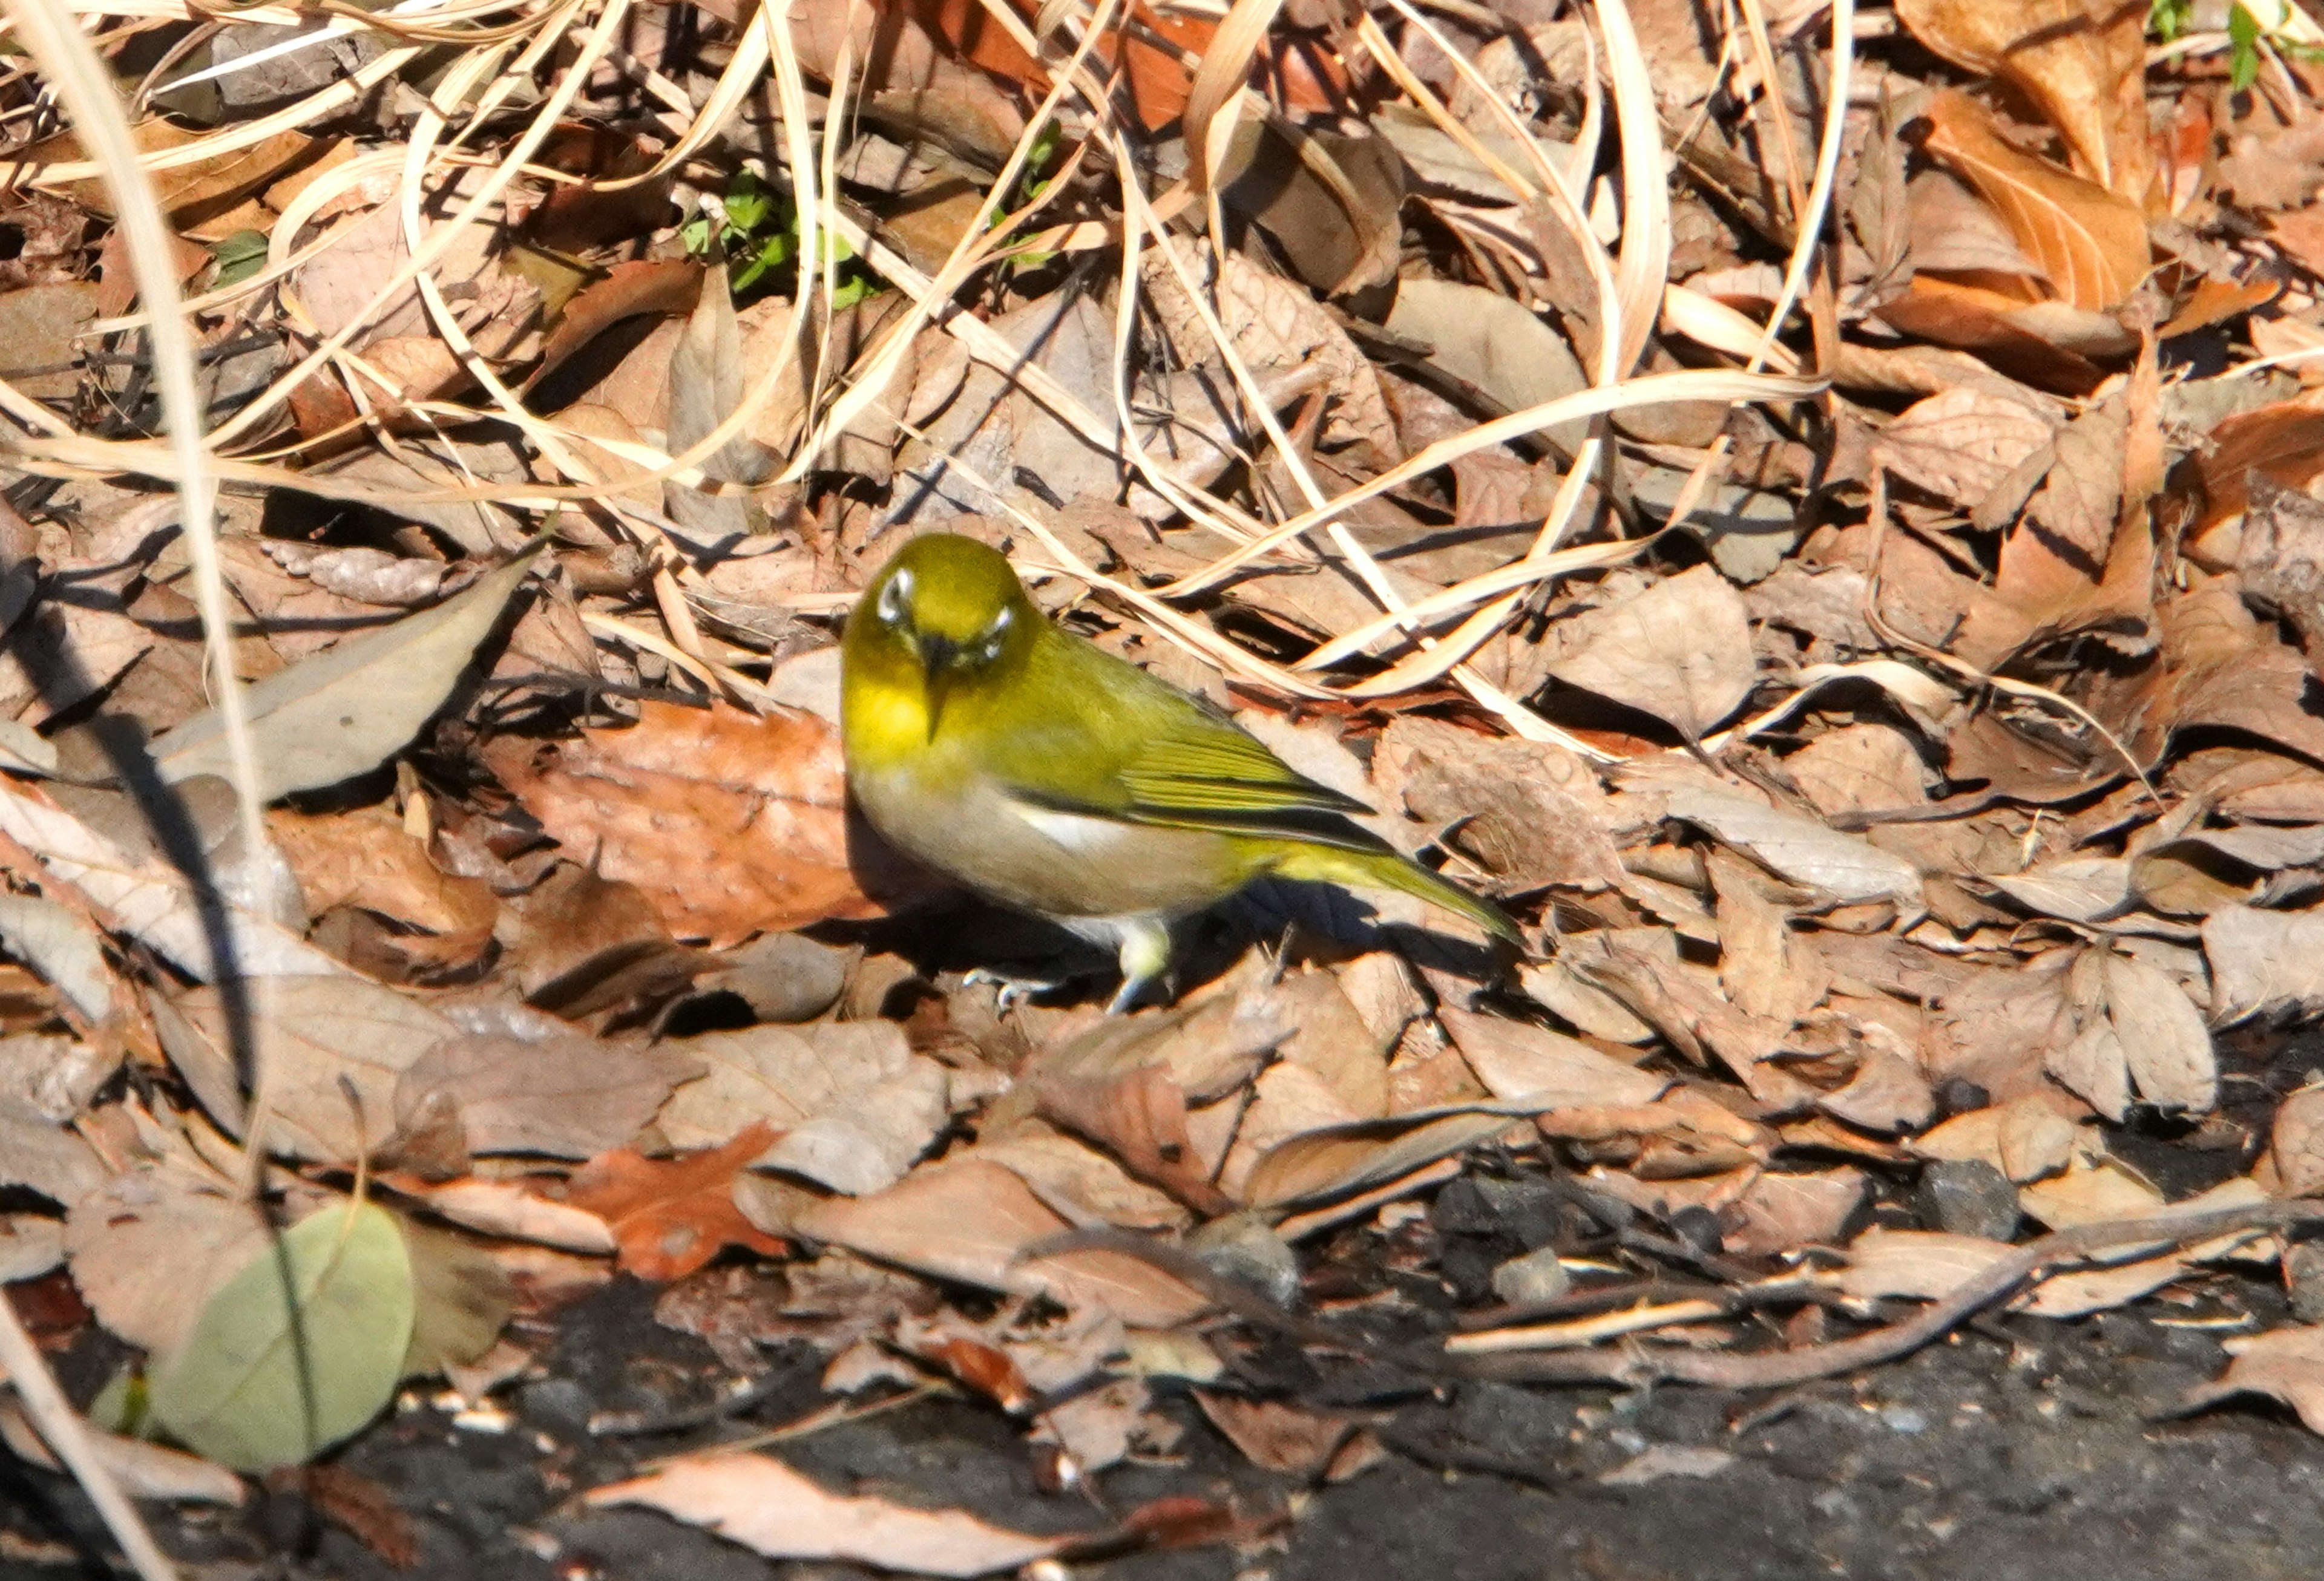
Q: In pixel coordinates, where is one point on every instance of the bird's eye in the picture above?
(895, 598)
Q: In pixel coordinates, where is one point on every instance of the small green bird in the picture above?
(1034, 767)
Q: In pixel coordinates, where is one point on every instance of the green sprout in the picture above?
(760, 234)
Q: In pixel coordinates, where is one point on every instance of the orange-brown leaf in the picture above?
(2092, 242)
(2082, 61)
(671, 1215)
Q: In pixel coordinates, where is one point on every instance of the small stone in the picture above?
(1245, 1248)
(554, 1404)
(1968, 1197)
(1524, 1207)
(2303, 1276)
(1462, 1209)
(1532, 1279)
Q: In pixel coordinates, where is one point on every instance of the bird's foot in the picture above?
(1011, 991)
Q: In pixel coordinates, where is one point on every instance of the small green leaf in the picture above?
(296, 1351)
(238, 257)
(2243, 47)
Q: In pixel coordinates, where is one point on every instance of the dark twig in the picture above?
(1782, 1369)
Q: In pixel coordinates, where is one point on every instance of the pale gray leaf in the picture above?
(1846, 869)
(1495, 342)
(61, 946)
(565, 1095)
(2265, 962)
(316, 1032)
(151, 902)
(1680, 651)
(349, 709)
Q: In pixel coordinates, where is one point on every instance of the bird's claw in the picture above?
(1009, 991)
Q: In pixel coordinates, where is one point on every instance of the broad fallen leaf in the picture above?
(761, 1502)
(566, 1096)
(733, 826)
(2082, 61)
(298, 1349)
(1680, 650)
(348, 709)
(318, 1033)
(850, 1105)
(2091, 243)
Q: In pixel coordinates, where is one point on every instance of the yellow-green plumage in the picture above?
(1041, 771)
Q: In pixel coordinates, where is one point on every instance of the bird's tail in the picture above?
(1389, 870)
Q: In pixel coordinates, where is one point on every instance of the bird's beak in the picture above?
(935, 677)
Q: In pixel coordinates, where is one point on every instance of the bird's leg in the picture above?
(1145, 957)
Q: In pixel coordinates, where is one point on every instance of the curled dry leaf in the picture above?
(2296, 1145)
(2082, 61)
(733, 826)
(1681, 651)
(759, 1501)
(974, 1222)
(2287, 1365)
(144, 1470)
(367, 857)
(2091, 243)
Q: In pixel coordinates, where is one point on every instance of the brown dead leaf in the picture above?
(2265, 962)
(2091, 243)
(1516, 1060)
(761, 1503)
(1960, 444)
(2287, 1365)
(733, 826)
(367, 857)
(672, 1216)
(148, 1246)
(1529, 813)
(974, 1221)
(2083, 62)
(1783, 1212)
(850, 1105)
(2296, 1145)
(1680, 650)
(1275, 1435)
(1140, 1117)
(562, 1095)
(1927, 1263)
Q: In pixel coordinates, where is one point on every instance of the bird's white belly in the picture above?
(1064, 865)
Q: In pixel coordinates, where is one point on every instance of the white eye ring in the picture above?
(893, 597)
(1000, 622)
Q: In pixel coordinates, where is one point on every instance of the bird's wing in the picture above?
(1157, 756)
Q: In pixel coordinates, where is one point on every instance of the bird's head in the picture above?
(946, 614)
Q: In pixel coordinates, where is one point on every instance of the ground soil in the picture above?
(2021, 1448)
